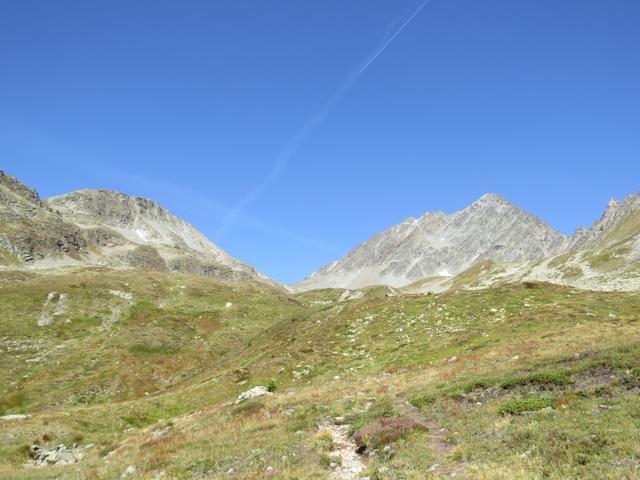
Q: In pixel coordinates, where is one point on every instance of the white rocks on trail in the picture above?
(123, 295)
(116, 309)
(130, 470)
(350, 465)
(54, 305)
(258, 391)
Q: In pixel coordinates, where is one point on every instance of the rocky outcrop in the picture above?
(60, 455)
(616, 214)
(30, 231)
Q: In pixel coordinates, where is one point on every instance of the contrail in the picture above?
(291, 148)
(398, 32)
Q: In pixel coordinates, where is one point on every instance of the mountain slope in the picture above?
(605, 256)
(132, 230)
(30, 231)
(620, 221)
(438, 244)
(105, 228)
(143, 369)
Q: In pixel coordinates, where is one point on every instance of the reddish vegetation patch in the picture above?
(383, 432)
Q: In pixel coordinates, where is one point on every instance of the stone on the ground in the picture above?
(258, 391)
(130, 470)
(14, 417)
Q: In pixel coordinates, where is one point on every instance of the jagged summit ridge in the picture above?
(615, 214)
(440, 244)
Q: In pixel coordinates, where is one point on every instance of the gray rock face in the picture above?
(439, 244)
(137, 232)
(30, 230)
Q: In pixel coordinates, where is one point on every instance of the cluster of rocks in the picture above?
(60, 455)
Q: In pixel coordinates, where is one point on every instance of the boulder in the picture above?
(258, 391)
(130, 470)
(14, 417)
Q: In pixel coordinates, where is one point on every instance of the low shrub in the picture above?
(423, 400)
(271, 385)
(384, 431)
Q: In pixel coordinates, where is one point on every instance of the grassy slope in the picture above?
(178, 358)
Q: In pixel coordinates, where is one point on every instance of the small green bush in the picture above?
(271, 385)
(384, 431)
(323, 442)
(423, 400)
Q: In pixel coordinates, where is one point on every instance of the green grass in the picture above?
(176, 358)
(541, 379)
(471, 276)
(522, 405)
(8, 259)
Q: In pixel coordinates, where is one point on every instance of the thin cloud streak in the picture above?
(392, 38)
(292, 147)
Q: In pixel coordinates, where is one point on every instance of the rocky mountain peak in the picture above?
(12, 191)
(490, 198)
(138, 219)
(615, 215)
(440, 244)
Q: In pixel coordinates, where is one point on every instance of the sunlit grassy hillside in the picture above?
(519, 381)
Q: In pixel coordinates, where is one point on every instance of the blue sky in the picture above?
(195, 103)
